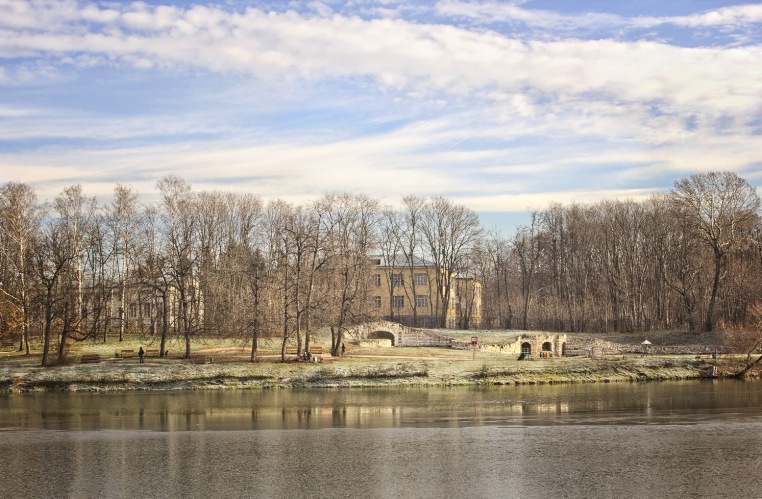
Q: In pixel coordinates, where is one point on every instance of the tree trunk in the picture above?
(164, 325)
(709, 324)
(749, 365)
(48, 326)
(64, 334)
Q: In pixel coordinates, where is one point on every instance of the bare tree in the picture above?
(721, 208)
(124, 219)
(20, 218)
(450, 231)
(75, 213)
(154, 276)
(277, 247)
(391, 254)
(179, 234)
(527, 249)
(98, 265)
(750, 341)
(353, 220)
(53, 258)
(497, 278)
(411, 245)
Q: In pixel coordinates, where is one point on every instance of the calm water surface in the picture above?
(688, 439)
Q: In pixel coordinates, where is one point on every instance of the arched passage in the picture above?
(382, 335)
(547, 347)
(526, 348)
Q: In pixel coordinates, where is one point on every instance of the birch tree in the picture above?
(20, 218)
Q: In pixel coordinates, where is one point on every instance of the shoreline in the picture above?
(180, 375)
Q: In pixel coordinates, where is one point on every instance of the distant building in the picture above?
(405, 291)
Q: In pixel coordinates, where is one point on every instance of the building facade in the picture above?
(406, 292)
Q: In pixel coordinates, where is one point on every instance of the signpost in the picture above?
(474, 342)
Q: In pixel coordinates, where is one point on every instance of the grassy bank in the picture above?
(367, 367)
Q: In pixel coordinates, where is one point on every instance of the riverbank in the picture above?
(225, 364)
(366, 371)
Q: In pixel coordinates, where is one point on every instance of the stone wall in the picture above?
(413, 337)
(399, 335)
(535, 340)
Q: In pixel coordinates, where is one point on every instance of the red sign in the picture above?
(474, 339)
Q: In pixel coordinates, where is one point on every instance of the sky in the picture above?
(502, 106)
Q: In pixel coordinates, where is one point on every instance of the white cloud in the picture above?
(501, 12)
(497, 120)
(737, 15)
(536, 201)
(397, 54)
(512, 11)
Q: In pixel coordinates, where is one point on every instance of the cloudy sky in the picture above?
(503, 106)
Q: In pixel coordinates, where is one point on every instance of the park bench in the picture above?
(711, 355)
(317, 352)
(90, 358)
(8, 344)
(126, 354)
(198, 358)
(153, 352)
(292, 351)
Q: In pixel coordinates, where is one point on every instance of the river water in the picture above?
(676, 439)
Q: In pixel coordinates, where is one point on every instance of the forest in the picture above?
(232, 265)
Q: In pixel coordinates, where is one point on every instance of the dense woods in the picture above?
(227, 264)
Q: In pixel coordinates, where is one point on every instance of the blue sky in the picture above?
(504, 106)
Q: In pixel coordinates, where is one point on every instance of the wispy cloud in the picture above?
(514, 11)
(387, 98)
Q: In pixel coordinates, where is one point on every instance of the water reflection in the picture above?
(629, 440)
(389, 408)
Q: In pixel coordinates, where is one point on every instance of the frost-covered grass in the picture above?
(420, 366)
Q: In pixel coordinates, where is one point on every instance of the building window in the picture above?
(396, 280)
(421, 279)
(147, 309)
(376, 281)
(377, 301)
(398, 301)
(422, 301)
(133, 310)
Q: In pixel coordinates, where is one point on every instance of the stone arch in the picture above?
(526, 348)
(547, 346)
(382, 335)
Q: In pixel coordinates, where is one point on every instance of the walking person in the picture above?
(141, 353)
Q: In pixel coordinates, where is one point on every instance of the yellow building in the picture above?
(406, 292)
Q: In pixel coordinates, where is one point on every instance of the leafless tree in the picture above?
(75, 213)
(125, 222)
(20, 218)
(180, 226)
(721, 209)
(450, 232)
(52, 260)
(527, 248)
(353, 222)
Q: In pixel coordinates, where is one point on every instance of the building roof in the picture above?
(401, 261)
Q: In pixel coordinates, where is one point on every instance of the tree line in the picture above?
(231, 265)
